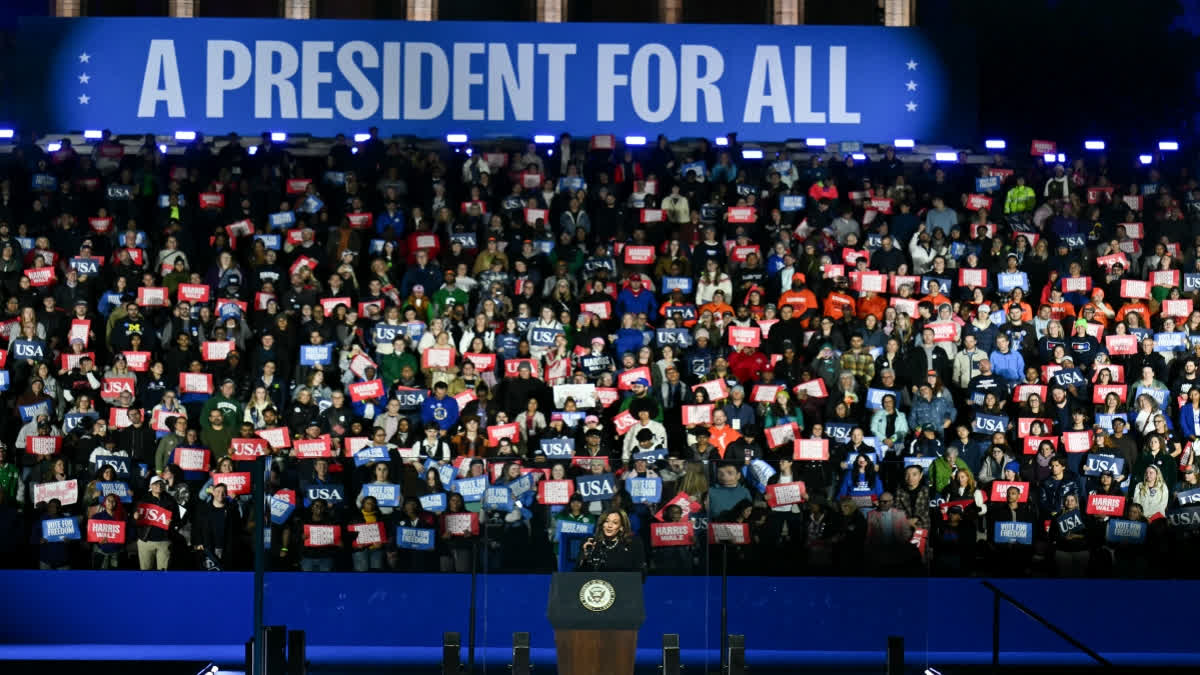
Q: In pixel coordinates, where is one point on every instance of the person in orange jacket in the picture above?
(720, 434)
(718, 307)
(1135, 306)
(871, 303)
(802, 300)
(839, 304)
(823, 189)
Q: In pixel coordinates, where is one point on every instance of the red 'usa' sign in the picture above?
(247, 448)
(151, 515)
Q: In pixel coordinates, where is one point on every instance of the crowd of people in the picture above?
(457, 358)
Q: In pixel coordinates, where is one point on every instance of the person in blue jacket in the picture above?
(440, 409)
(1006, 361)
(861, 480)
(636, 300)
(391, 217)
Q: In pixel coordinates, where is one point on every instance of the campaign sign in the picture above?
(368, 534)
(785, 494)
(1069, 377)
(645, 490)
(839, 432)
(736, 534)
(410, 398)
(1013, 532)
(433, 503)
(237, 483)
(875, 398)
(106, 531)
(1070, 523)
(596, 488)
(122, 464)
(679, 337)
(330, 492)
(115, 487)
(196, 383)
(316, 355)
(555, 491)
(672, 534)
(1098, 464)
(43, 445)
(987, 184)
(498, 498)
(1077, 441)
(370, 455)
(744, 336)
(461, 524)
(558, 448)
(811, 449)
(1105, 505)
(790, 203)
(1186, 497)
(1122, 531)
(989, 424)
(471, 489)
(697, 414)
(1000, 490)
(1006, 281)
(386, 494)
(152, 515)
(247, 449)
(60, 529)
(1185, 520)
(573, 527)
(1105, 420)
(320, 536)
(364, 391)
(281, 510)
(34, 350)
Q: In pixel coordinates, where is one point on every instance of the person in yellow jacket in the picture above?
(1021, 198)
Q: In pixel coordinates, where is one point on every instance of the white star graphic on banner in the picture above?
(83, 79)
(86, 57)
(84, 98)
(912, 86)
(910, 106)
(912, 65)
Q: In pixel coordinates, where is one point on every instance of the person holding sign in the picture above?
(614, 548)
(106, 555)
(153, 536)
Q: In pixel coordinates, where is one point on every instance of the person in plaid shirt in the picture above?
(859, 361)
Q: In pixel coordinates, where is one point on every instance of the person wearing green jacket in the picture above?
(392, 365)
(223, 400)
(449, 294)
(167, 444)
(217, 436)
(10, 478)
(1021, 198)
(943, 468)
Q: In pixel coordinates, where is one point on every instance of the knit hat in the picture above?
(1012, 466)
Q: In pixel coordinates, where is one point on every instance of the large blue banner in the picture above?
(485, 79)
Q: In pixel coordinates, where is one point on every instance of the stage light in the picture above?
(470, 152)
(1145, 159)
(904, 143)
(543, 139)
(353, 151)
(1093, 145)
(815, 142)
(722, 141)
(1168, 145)
(162, 147)
(994, 144)
(1049, 157)
(753, 153)
(253, 150)
(278, 136)
(53, 147)
(456, 138)
(362, 137)
(92, 134)
(6, 133)
(550, 152)
(185, 135)
(945, 156)
(1062, 159)
(858, 156)
(635, 140)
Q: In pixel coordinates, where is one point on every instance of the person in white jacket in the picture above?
(643, 422)
(545, 322)
(1151, 493)
(711, 281)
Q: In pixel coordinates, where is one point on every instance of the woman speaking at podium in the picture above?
(615, 549)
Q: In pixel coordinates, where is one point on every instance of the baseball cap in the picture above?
(156, 479)
(642, 381)
(591, 419)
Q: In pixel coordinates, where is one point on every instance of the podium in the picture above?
(596, 616)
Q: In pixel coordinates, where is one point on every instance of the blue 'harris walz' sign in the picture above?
(478, 78)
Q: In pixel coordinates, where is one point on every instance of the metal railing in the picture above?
(998, 595)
